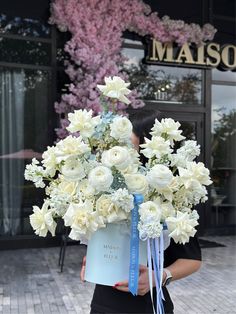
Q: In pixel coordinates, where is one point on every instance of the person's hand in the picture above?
(143, 282)
(82, 272)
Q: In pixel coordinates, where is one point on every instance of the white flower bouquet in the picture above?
(92, 177)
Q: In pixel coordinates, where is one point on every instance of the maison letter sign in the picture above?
(207, 55)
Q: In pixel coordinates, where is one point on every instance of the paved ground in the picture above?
(31, 283)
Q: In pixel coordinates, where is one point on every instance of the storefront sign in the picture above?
(207, 55)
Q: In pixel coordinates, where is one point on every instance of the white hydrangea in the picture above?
(83, 121)
(169, 129)
(156, 147)
(122, 199)
(42, 221)
(188, 152)
(35, 173)
(182, 227)
(149, 227)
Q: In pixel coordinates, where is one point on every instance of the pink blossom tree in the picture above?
(95, 46)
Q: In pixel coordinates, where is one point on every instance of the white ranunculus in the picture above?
(67, 187)
(150, 208)
(116, 88)
(159, 177)
(83, 121)
(181, 227)
(73, 169)
(69, 147)
(194, 171)
(121, 128)
(49, 161)
(156, 147)
(108, 210)
(117, 156)
(169, 128)
(136, 183)
(82, 219)
(100, 178)
(42, 221)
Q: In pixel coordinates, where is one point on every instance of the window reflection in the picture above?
(162, 83)
(23, 26)
(25, 131)
(223, 154)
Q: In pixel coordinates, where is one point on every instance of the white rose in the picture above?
(100, 178)
(108, 210)
(159, 177)
(181, 227)
(136, 183)
(116, 156)
(73, 170)
(82, 219)
(156, 147)
(121, 128)
(83, 121)
(115, 88)
(70, 146)
(168, 127)
(42, 221)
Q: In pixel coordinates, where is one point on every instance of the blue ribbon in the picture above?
(134, 246)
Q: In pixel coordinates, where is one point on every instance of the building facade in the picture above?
(201, 96)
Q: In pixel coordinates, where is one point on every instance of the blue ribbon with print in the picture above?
(134, 246)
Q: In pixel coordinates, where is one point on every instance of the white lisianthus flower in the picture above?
(169, 129)
(122, 199)
(156, 147)
(73, 169)
(35, 173)
(121, 128)
(42, 221)
(115, 88)
(100, 178)
(194, 171)
(82, 219)
(181, 227)
(70, 146)
(49, 161)
(83, 121)
(117, 156)
(136, 183)
(108, 210)
(159, 177)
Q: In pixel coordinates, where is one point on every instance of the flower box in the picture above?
(108, 254)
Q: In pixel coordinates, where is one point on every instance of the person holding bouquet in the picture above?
(179, 260)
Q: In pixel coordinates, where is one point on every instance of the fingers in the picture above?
(82, 272)
(122, 286)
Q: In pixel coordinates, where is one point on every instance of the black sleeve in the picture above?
(190, 250)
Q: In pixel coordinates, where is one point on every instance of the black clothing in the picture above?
(109, 300)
